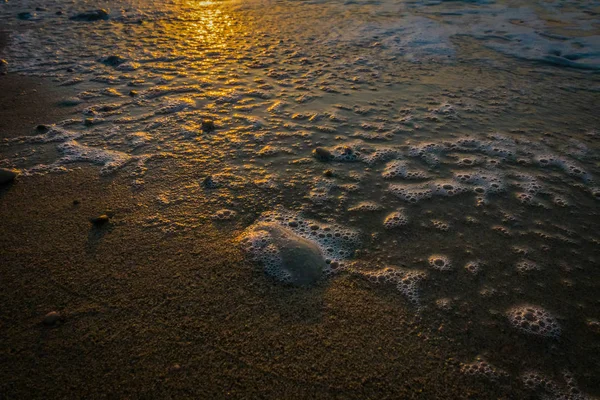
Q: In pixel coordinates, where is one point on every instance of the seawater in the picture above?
(458, 138)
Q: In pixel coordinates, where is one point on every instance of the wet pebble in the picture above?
(52, 318)
(322, 154)
(92, 15)
(208, 125)
(100, 220)
(113, 60)
(7, 176)
(25, 15)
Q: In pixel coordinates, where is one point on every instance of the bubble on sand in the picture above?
(400, 169)
(549, 389)
(406, 281)
(395, 220)
(482, 369)
(440, 225)
(526, 266)
(321, 190)
(224, 215)
(280, 239)
(474, 267)
(440, 262)
(411, 194)
(534, 320)
(366, 206)
(110, 160)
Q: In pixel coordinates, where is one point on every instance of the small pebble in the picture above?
(7, 176)
(208, 125)
(52, 318)
(322, 154)
(90, 16)
(25, 15)
(100, 220)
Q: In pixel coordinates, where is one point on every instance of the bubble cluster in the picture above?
(321, 190)
(406, 281)
(224, 215)
(336, 243)
(400, 169)
(110, 160)
(395, 220)
(474, 267)
(411, 194)
(440, 262)
(366, 206)
(440, 225)
(534, 320)
(526, 266)
(482, 369)
(550, 389)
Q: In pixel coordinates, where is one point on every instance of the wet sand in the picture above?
(182, 317)
(187, 317)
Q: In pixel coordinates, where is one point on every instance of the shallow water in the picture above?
(476, 122)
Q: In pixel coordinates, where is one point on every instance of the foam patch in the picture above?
(535, 321)
(269, 240)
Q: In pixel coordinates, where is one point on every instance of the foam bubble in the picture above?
(526, 266)
(440, 262)
(406, 281)
(534, 320)
(224, 215)
(395, 220)
(366, 206)
(110, 160)
(480, 368)
(400, 169)
(474, 267)
(268, 241)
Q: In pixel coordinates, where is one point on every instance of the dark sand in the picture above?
(185, 316)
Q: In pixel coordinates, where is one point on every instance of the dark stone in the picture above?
(113, 61)
(90, 16)
(208, 182)
(322, 154)
(328, 173)
(133, 93)
(25, 15)
(52, 318)
(100, 220)
(208, 125)
(42, 128)
(7, 176)
(41, 9)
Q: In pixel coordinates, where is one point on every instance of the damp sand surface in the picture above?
(143, 317)
(441, 156)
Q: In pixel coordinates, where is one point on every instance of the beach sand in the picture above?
(187, 317)
(144, 316)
